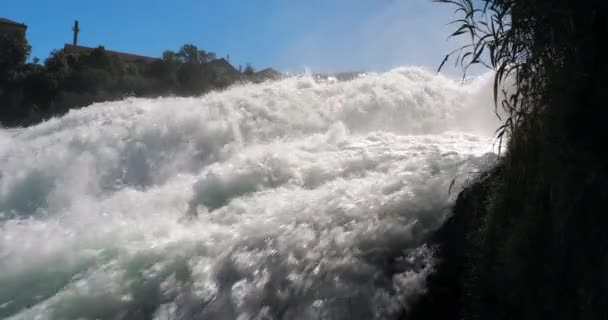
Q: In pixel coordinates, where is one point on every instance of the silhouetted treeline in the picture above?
(31, 92)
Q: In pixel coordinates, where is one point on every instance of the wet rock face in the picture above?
(446, 286)
(527, 241)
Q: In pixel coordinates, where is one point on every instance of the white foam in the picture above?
(296, 199)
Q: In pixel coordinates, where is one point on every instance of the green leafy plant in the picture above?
(511, 51)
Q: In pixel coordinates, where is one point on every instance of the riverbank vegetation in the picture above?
(528, 239)
(33, 92)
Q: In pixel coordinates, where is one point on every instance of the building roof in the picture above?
(124, 56)
(269, 73)
(7, 21)
(222, 66)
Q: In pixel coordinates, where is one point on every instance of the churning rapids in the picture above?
(295, 199)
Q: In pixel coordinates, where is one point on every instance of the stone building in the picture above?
(11, 27)
(126, 57)
(77, 49)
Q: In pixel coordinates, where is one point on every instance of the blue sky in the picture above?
(289, 35)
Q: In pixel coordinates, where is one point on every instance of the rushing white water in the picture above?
(296, 199)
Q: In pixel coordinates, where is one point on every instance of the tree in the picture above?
(29, 93)
(211, 56)
(205, 56)
(249, 70)
(14, 50)
(188, 53)
(170, 57)
(98, 58)
(56, 62)
(195, 78)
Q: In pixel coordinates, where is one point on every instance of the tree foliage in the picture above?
(190, 53)
(496, 44)
(31, 92)
(14, 50)
(249, 70)
(530, 42)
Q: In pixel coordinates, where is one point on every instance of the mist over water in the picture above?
(296, 199)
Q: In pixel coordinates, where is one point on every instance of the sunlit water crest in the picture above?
(296, 199)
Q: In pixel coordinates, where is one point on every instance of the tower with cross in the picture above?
(76, 29)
